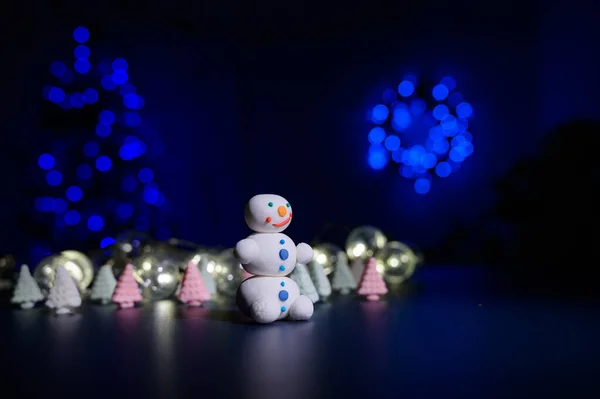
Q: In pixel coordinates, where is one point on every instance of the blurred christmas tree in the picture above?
(95, 176)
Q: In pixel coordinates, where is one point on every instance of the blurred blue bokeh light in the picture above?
(77, 100)
(74, 193)
(82, 65)
(71, 218)
(91, 96)
(59, 206)
(380, 113)
(107, 242)
(107, 82)
(103, 130)
(119, 64)
(107, 117)
(56, 95)
(422, 186)
(376, 135)
(119, 77)
(440, 92)
(103, 163)
(81, 34)
(146, 175)
(54, 178)
(378, 156)
(406, 88)
(132, 119)
(95, 223)
(46, 161)
(81, 51)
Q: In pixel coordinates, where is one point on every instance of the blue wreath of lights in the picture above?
(422, 130)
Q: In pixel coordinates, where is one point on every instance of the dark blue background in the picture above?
(273, 98)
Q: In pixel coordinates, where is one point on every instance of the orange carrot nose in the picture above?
(281, 211)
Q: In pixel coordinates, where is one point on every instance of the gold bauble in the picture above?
(327, 256)
(396, 262)
(364, 241)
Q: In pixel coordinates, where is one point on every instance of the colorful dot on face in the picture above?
(283, 309)
(283, 295)
(283, 254)
(288, 204)
(282, 242)
(268, 219)
(283, 284)
(271, 204)
(282, 267)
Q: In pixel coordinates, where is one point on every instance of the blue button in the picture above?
(282, 242)
(283, 283)
(283, 295)
(283, 254)
(282, 267)
(283, 308)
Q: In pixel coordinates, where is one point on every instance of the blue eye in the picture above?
(288, 204)
(271, 204)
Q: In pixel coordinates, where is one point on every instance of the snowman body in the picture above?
(271, 297)
(270, 256)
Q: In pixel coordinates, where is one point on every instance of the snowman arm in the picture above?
(304, 253)
(246, 251)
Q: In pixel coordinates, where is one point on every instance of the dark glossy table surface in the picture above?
(447, 334)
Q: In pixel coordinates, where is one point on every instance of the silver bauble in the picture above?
(364, 241)
(396, 262)
(227, 274)
(157, 273)
(327, 256)
(78, 265)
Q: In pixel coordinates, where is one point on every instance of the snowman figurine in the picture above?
(270, 256)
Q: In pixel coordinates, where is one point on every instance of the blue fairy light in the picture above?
(91, 96)
(81, 51)
(82, 65)
(46, 161)
(72, 218)
(95, 223)
(81, 34)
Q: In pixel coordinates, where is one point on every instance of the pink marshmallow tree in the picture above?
(127, 292)
(193, 290)
(371, 283)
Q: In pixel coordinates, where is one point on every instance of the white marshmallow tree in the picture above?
(320, 280)
(27, 292)
(64, 294)
(104, 285)
(343, 281)
(301, 277)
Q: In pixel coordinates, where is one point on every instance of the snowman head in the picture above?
(268, 213)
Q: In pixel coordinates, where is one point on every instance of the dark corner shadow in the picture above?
(543, 227)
